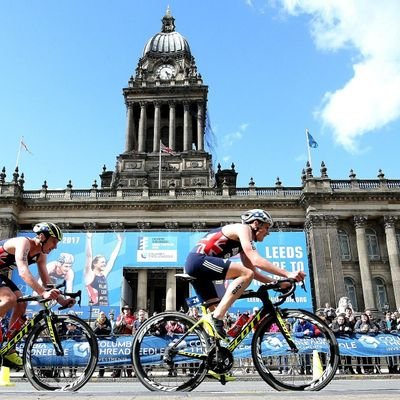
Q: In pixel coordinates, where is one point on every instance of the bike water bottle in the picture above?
(15, 327)
(238, 325)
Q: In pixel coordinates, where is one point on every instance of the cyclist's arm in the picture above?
(251, 253)
(22, 248)
(249, 249)
(259, 276)
(42, 270)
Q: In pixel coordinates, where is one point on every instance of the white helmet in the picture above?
(256, 215)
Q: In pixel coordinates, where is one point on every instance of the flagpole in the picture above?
(19, 151)
(159, 168)
(308, 148)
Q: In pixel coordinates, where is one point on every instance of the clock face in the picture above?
(165, 72)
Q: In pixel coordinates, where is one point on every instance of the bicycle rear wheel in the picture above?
(70, 371)
(311, 368)
(168, 361)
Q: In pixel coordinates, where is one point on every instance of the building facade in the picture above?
(163, 182)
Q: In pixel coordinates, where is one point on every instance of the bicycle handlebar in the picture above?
(277, 286)
(40, 299)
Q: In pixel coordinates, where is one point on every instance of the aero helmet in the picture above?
(256, 215)
(48, 229)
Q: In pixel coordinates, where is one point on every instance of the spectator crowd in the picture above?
(345, 322)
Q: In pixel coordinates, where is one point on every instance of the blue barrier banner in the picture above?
(364, 345)
(116, 350)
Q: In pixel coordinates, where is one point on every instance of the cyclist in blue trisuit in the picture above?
(209, 261)
(20, 252)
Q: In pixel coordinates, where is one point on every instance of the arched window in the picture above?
(344, 245)
(380, 293)
(351, 293)
(372, 244)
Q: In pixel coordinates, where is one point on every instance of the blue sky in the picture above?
(274, 68)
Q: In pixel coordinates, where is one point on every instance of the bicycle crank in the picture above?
(220, 360)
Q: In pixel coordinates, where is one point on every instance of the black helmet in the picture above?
(48, 229)
(256, 215)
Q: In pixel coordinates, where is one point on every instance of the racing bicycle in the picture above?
(60, 352)
(284, 356)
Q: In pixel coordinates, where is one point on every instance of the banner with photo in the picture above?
(94, 263)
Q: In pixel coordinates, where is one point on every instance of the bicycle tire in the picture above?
(312, 368)
(152, 345)
(46, 370)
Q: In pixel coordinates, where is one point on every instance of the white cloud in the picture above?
(371, 98)
(230, 139)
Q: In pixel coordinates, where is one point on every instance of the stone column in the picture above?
(157, 127)
(170, 296)
(8, 228)
(335, 258)
(200, 125)
(141, 296)
(316, 234)
(130, 129)
(394, 256)
(172, 125)
(187, 137)
(365, 272)
(142, 127)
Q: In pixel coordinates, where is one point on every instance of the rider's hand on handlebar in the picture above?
(298, 276)
(67, 302)
(51, 294)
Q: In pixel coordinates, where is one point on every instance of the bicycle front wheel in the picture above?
(311, 366)
(69, 371)
(166, 357)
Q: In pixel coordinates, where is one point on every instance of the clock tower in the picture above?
(166, 104)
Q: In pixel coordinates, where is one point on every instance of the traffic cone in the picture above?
(5, 377)
(318, 369)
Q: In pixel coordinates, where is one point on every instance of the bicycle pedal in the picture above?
(223, 378)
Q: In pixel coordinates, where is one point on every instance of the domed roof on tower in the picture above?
(168, 42)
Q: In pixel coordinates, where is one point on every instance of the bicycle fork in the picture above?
(285, 331)
(54, 336)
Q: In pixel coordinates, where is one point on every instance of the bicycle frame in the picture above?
(46, 315)
(268, 308)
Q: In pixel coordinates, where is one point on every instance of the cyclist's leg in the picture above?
(9, 294)
(17, 317)
(8, 299)
(242, 277)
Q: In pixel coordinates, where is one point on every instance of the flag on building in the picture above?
(24, 146)
(311, 142)
(165, 149)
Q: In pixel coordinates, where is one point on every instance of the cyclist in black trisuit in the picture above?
(209, 261)
(20, 252)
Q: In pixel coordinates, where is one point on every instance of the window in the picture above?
(351, 293)
(344, 245)
(380, 293)
(398, 239)
(372, 244)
